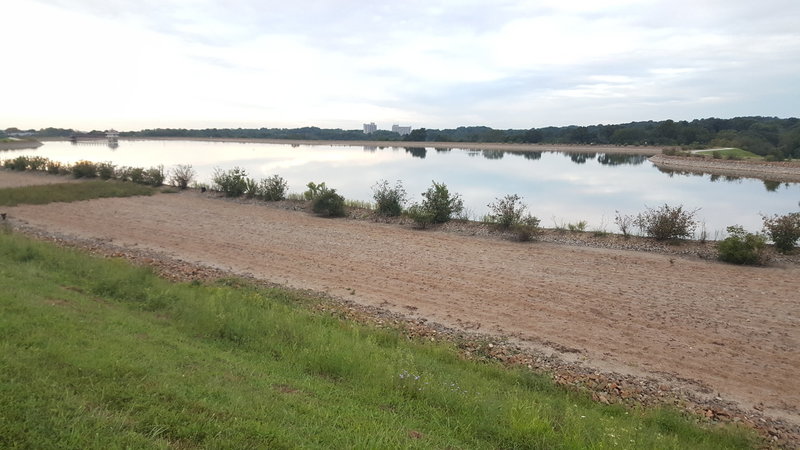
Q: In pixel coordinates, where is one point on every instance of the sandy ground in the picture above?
(9, 179)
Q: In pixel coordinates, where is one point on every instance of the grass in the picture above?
(732, 153)
(96, 353)
(70, 192)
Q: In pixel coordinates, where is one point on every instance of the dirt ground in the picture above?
(727, 331)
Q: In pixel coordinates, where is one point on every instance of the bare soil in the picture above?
(726, 332)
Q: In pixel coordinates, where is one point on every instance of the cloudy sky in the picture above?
(133, 64)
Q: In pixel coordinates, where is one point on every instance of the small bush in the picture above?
(37, 163)
(272, 189)
(154, 176)
(716, 154)
(250, 188)
(314, 190)
(625, 223)
(329, 204)
(182, 175)
(578, 227)
(230, 182)
(389, 201)
(55, 168)
(132, 174)
(667, 222)
(526, 228)
(19, 163)
(84, 169)
(440, 204)
(741, 247)
(421, 216)
(783, 230)
(507, 211)
(105, 170)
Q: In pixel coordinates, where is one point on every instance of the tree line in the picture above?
(765, 136)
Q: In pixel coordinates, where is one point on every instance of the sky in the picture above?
(137, 64)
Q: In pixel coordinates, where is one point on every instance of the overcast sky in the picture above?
(134, 64)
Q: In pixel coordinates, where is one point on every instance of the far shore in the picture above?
(566, 148)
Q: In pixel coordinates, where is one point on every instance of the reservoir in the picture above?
(559, 188)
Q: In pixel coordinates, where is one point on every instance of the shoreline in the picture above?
(784, 172)
(19, 145)
(566, 148)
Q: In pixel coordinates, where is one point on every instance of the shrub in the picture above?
(741, 247)
(154, 176)
(783, 230)
(314, 190)
(578, 227)
(421, 216)
(250, 187)
(328, 203)
(526, 228)
(625, 223)
(182, 175)
(389, 201)
(37, 163)
(132, 174)
(716, 154)
(230, 182)
(667, 222)
(105, 170)
(507, 211)
(19, 163)
(84, 169)
(440, 204)
(273, 188)
(55, 168)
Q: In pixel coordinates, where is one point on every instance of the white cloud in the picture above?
(437, 64)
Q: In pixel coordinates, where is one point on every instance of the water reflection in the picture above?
(417, 152)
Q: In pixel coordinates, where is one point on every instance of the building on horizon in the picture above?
(370, 128)
(402, 131)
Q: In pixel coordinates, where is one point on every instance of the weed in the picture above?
(272, 189)
(182, 175)
(667, 222)
(230, 182)
(783, 230)
(507, 211)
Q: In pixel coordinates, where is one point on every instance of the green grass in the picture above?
(95, 353)
(70, 192)
(732, 153)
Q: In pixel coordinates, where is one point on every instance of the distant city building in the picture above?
(402, 131)
(370, 128)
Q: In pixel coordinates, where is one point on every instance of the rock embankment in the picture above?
(764, 170)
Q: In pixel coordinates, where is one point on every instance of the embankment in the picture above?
(764, 170)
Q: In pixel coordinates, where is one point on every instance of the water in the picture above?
(558, 188)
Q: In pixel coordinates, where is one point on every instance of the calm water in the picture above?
(557, 187)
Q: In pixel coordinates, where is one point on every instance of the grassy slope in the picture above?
(97, 354)
(70, 192)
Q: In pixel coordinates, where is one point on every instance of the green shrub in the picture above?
(389, 201)
(105, 170)
(328, 203)
(314, 190)
(55, 168)
(273, 188)
(526, 228)
(250, 188)
(439, 204)
(230, 182)
(37, 163)
(132, 174)
(507, 211)
(716, 154)
(578, 227)
(421, 216)
(181, 176)
(741, 247)
(84, 169)
(667, 222)
(154, 176)
(19, 163)
(783, 230)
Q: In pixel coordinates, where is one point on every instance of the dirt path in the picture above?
(732, 331)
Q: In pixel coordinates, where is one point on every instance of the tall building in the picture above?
(370, 128)
(402, 131)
